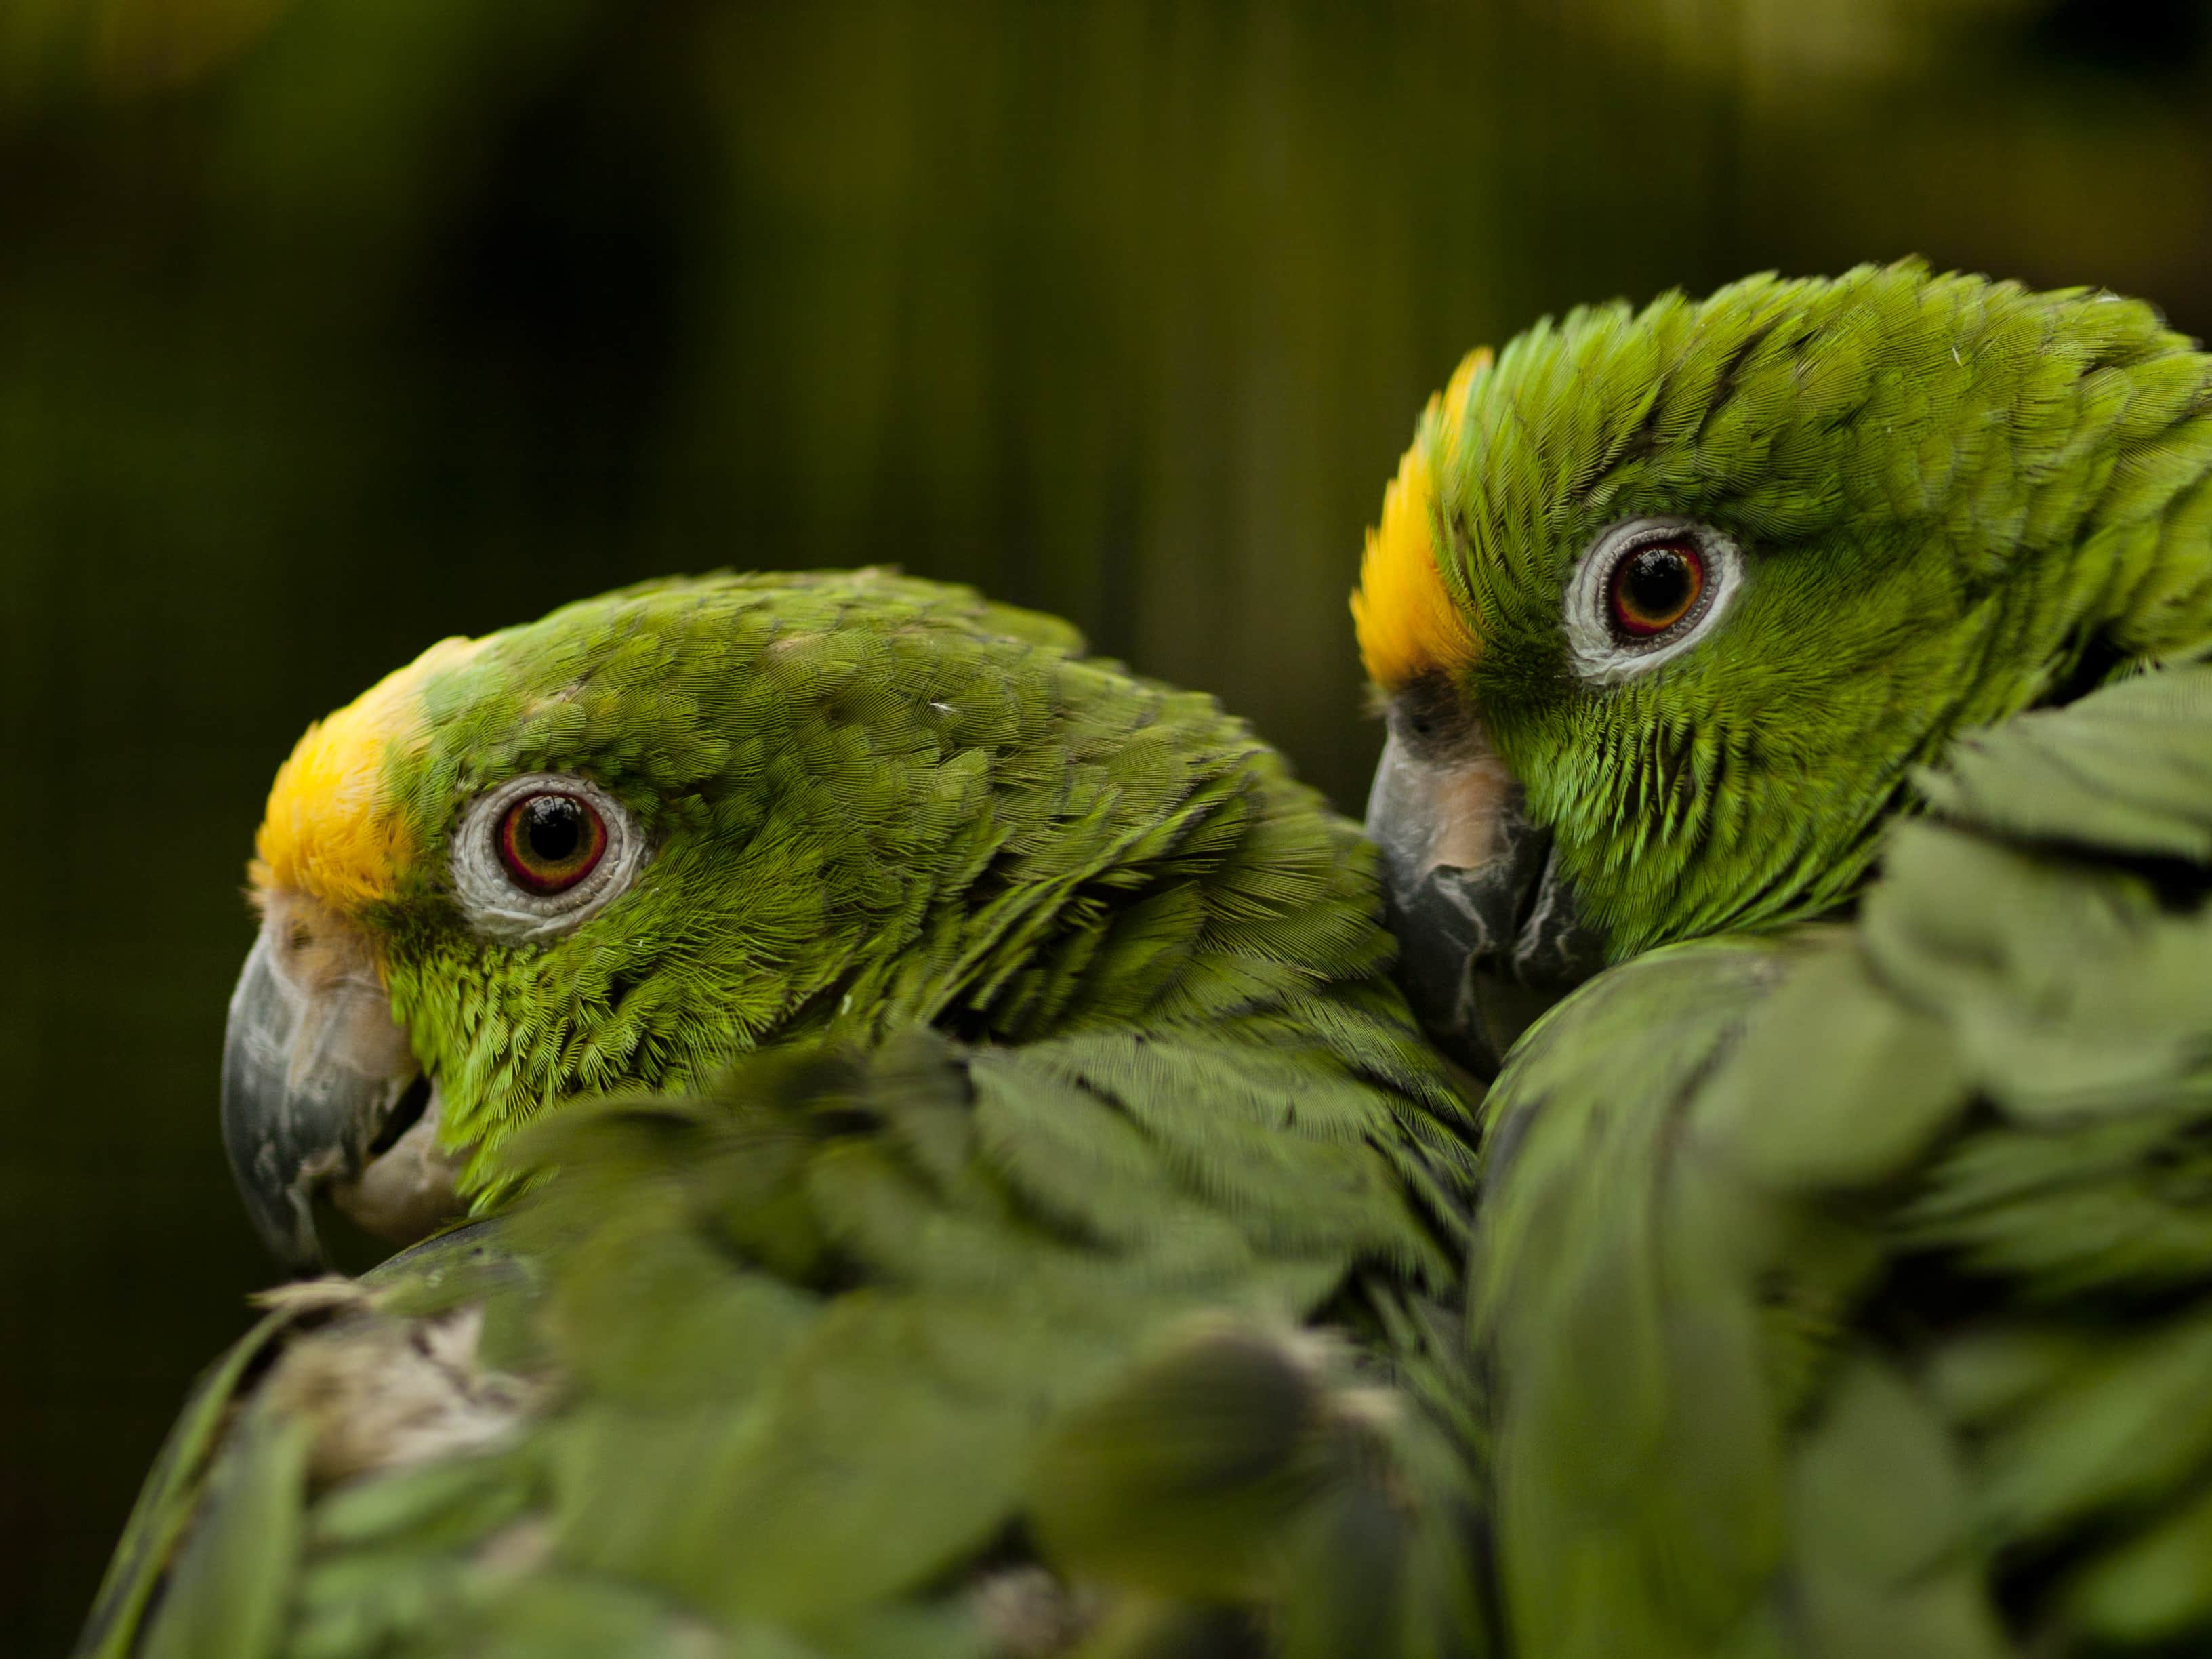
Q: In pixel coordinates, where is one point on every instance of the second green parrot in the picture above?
(1814, 675)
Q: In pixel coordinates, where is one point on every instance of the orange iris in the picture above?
(1654, 588)
(551, 841)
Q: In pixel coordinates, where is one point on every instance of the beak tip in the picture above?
(279, 1205)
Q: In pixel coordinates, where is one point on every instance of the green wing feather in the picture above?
(1849, 1289)
(172, 1490)
(865, 1354)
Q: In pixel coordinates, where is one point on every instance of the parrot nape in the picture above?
(950, 1171)
(1807, 684)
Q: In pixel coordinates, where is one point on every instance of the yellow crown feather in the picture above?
(327, 831)
(1407, 621)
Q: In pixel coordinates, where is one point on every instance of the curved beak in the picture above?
(1487, 930)
(318, 1079)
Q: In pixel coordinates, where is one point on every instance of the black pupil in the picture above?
(553, 829)
(1657, 582)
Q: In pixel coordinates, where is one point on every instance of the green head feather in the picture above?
(1949, 499)
(857, 802)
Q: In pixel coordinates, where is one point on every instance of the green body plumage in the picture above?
(1848, 1290)
(970, 1315)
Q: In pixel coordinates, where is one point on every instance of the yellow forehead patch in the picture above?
(1408, 621)
(326, 831)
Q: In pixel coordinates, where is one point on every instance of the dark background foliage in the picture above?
(328, 327)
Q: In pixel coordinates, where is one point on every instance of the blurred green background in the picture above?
(333, 326)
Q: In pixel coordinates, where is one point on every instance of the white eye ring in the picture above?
(1602, 654)
(499, 905)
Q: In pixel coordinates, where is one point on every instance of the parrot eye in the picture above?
(539, 853)
(1646, 591)
(551, 841)
(1654, 587)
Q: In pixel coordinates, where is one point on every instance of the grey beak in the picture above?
(1488, 935)
(312, 1066)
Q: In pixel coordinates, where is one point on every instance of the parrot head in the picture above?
(610, 849)
(1665, 607)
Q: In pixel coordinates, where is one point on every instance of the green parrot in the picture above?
(1798, 797)
(941, 1167)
